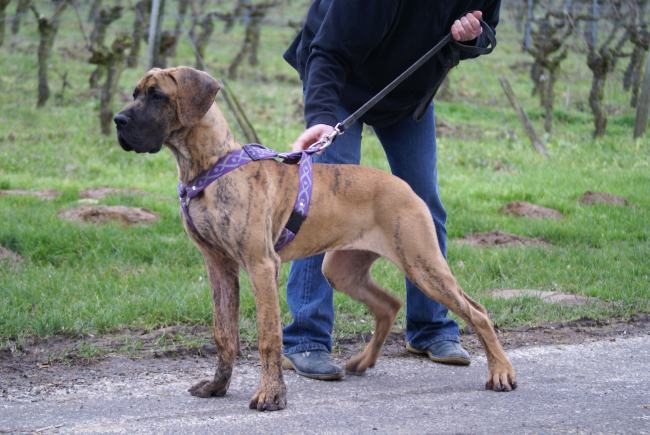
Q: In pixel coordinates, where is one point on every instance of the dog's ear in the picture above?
(195, 94)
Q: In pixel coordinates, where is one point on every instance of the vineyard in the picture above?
(557, 112)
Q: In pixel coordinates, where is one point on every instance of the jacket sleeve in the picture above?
(350, 30)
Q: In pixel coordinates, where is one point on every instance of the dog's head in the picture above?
(164, 101)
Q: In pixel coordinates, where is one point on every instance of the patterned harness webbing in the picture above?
(238, 158)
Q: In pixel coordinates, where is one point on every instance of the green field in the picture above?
(82, 278)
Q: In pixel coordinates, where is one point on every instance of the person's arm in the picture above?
(350, 30)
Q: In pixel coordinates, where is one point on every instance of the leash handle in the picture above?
(473, 49)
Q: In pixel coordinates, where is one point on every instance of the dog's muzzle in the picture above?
(122, 124)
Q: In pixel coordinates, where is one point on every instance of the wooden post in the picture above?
(530, 131)
(154, 33)
(643, 103)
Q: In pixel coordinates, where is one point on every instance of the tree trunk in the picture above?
(548, 88)
(3, 18)
(245, 47)
(167, 44)
(548, 101)
(95, 6)
(180, 17)
(114, 67)
(635, 84)
(47, 29)
(141, 12)
(600, 63)
(98, 36)
(251, 42)
(21, 9)
(643, 105)
(201, 40)
(640, 39)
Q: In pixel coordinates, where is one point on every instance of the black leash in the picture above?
(354, 117)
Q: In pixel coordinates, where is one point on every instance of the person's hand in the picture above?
(468, 27)
(311, 135)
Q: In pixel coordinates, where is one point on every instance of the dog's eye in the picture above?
(156, 94)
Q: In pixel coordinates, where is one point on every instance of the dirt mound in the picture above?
(103, 192)
(526, 209)
(545, 296)
(499, 238)
(47, 194)
(109, 213)
(10, 256)
(590, 197)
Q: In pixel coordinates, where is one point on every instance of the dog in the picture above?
(356, 215)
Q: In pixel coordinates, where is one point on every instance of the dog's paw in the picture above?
(209, 388)
(358, 364)
(269, 399)
(501, 380)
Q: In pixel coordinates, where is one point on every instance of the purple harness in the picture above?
(250, 153)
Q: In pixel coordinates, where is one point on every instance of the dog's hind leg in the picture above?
(415, 249)
(224, 280)
(271, 394)
(349, 272)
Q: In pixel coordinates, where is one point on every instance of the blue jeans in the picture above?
(410, 148)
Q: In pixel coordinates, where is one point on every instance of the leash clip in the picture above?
(326, 141)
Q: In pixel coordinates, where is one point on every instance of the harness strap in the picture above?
(238, 158)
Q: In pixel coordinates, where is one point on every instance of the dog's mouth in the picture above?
(126, 146)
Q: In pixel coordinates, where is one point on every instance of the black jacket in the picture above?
(348, 50)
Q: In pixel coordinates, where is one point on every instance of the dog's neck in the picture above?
(211, 139)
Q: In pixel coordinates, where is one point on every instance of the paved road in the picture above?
(596, 387)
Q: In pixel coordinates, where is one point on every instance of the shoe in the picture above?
(316, 364)
(445, 352)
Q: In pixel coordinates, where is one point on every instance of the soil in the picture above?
(590, 197)
(464, 131)
(47, 194)
(499, 238)
(103, 192)
(98, 214)
(8, 255)
(38, 366)
(546, 296)
(528, 210)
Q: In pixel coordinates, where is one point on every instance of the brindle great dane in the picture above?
(357, 215)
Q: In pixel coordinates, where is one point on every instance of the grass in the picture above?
(79, 279)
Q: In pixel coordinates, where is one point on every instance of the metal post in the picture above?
(529, 23)
(153, 30)
(595, 12)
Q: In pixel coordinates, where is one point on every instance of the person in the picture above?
(346, 52)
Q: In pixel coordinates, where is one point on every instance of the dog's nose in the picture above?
(120, 120)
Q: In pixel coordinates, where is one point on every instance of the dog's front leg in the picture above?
(271, 394)
(223, 274)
